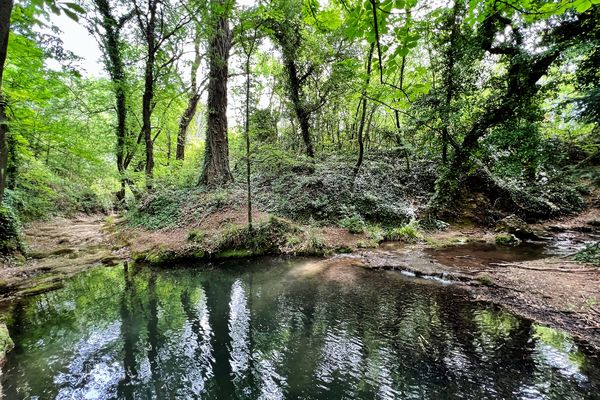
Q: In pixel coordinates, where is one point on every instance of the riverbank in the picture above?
(537, 281)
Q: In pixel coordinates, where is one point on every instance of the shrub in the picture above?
(408, 233)
(591, 254)
(264, 238)
(196, 236)
(10, 226)
(375, 233)
(355, 224)
(507, 239)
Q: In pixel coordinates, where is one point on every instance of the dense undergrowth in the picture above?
(386, 193)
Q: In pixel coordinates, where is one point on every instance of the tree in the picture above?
(215, 170)
(111, 41)
(194, 97)
(5, 12)
(514, 96)
(158, 22)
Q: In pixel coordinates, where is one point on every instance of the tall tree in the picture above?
(215, 170)
(5, 12)
(155, 21)
(194, 97)
(111, 41)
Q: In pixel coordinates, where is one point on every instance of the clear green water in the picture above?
(272, 329)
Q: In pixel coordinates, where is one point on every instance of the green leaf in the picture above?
(75, 7)
(71, 15)
(582, 6)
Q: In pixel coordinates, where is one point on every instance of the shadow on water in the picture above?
(281, 328)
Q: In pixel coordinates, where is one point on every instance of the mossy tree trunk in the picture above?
(5, 12)
(215, 170)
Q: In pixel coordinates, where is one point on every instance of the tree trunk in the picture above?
(5, 11)
(361, 126)
(149, 94)
(190, 110)
(115, 67)
(247, 134)
(215, 170)
(301, 113)
(449, 77)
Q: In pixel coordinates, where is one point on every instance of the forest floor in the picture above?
(535, 280)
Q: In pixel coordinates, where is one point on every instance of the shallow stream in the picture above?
(282, 328)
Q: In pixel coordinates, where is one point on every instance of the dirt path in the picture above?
(57, 249)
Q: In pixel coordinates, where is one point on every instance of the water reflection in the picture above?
(269, 330)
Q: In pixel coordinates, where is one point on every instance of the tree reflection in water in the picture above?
(264, 330)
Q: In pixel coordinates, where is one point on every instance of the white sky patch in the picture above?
(78, 40)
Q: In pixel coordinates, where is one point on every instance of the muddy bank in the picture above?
(58, 249)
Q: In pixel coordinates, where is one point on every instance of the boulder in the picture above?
(516, 226)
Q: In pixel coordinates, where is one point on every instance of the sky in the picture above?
(78, 40)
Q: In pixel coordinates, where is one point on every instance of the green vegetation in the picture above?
(507, 239)
(591, 254)
(369, 116)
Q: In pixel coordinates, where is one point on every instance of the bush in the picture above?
(591, 254)
(408, 233)
(10, 226)
(355, 224)
(375, 233)
(264, 238)
(507, 239)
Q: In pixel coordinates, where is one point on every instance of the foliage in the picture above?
(10, 240)
(355, 224)
(465, 100)
(408, 233)
(591, 254)
(264, 238)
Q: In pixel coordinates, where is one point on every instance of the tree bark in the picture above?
(361, 126)
(301, 112)
(449, 77)
(149, 94)
(190, 110)
(215, 170)
(115, 67)
(5, 12)
(247, 134)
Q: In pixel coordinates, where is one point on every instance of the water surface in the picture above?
(274, 329)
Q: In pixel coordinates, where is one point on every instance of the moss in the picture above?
(485, 280)
(196, 236)
(235, 253)
(507, 239)
(6, 343)
(42, 287)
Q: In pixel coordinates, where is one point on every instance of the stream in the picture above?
(275, 328)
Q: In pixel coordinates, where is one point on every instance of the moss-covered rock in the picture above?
(514, 225)
(507, 239)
